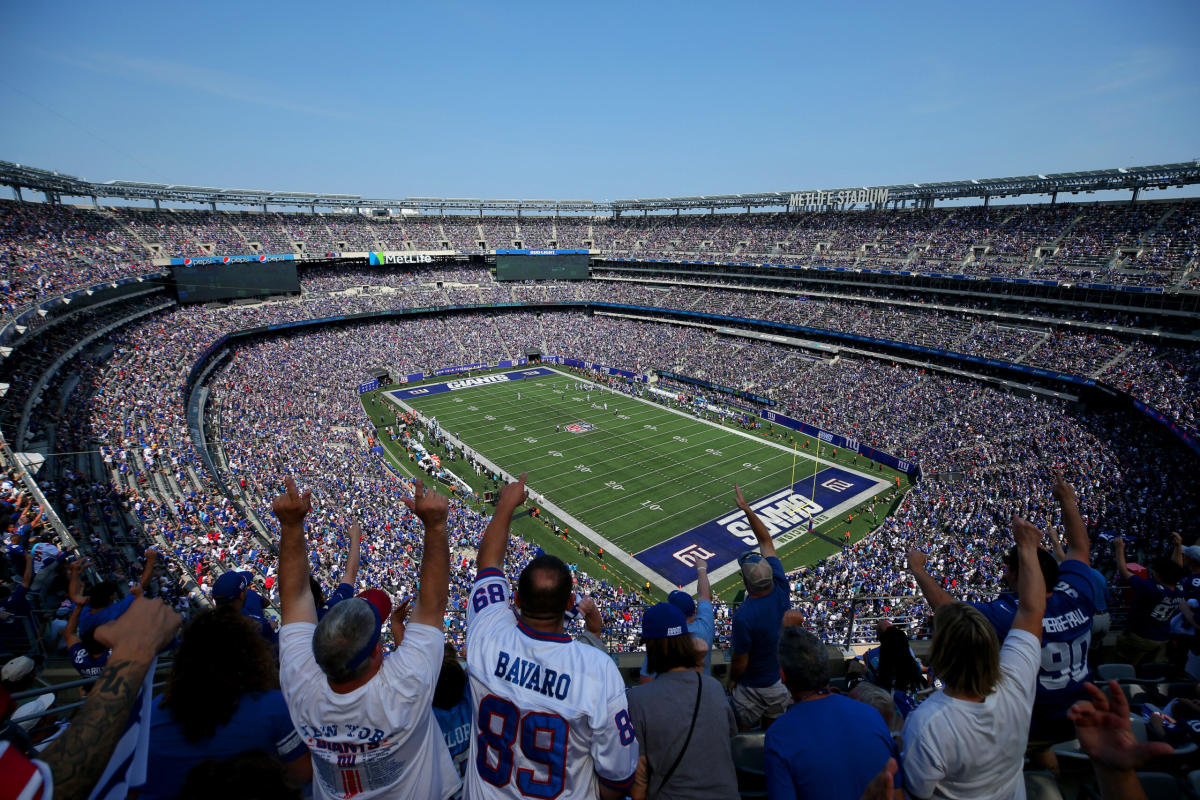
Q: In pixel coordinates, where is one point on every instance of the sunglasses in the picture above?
(749, 557)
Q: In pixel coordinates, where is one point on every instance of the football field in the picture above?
(651, 485)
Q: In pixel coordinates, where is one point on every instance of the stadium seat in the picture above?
(1138, 693)
(1116, 672)
(749, 760)
(1193, 783)
(1041, 786)
(1159, 786)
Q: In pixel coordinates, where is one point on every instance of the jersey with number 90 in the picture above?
(550, 717)
(1066, 637)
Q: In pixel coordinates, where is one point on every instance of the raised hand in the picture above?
(741, 501)
(355, 533)
(1176, 539)
(291, 507)
(1104, 731)
(1119, 544)
(916, 559)
(1025, 533)
(399, 615)
(1063, 491)
(429, 506)
(514, 494)
(146, 627)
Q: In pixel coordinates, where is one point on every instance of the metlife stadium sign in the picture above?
(837, 197)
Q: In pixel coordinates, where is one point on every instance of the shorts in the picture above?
(752, 704)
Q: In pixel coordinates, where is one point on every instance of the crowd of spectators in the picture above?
(288, 404)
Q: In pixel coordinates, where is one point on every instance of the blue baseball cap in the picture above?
(683, 601)
(663, 621)
(230, 586)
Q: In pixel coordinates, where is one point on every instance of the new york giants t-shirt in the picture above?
(381, 739)
(1066, 637)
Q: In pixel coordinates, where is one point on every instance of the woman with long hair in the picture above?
(968, 740)
(222, 699)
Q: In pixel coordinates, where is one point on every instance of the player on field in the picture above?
(551, 718)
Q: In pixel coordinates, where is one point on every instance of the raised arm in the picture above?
(350, 576)
(1177, 553)
(432, 509)
(1122, 567)
(935, 595)
(1056, 547)
(77, 759)
(1031, 586)
(495, 539)
(148, 569)
(27, 576)
(1078, 544)
(703, 589)
(295, 597)
(765, 543)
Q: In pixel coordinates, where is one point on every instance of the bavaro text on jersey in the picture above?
(529, 675)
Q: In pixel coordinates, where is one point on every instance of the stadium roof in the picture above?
(56, 185)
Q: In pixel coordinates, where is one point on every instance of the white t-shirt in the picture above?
(956, 749)
(550, 717)
(380, 740)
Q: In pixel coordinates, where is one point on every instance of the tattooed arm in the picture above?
(77, 758)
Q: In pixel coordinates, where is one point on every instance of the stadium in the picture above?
(877, 369)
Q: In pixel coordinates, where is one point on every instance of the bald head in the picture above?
(544, 589)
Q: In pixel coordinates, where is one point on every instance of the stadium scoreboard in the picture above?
(205, 283)
(552, 266)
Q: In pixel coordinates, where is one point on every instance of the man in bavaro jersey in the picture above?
(367, 719)
(1066, 625)
(550, 719)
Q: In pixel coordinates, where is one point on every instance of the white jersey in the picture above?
(550, 717)
(380, 740)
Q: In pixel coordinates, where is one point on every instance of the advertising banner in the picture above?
(195, 261)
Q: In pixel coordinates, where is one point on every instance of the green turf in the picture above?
(642, 475)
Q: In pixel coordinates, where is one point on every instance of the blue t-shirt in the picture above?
(756, 630)
(344, 591)
(89, 620)
(829, 747)
(87, 665)
(1101, 592)
(455, 724)
(261, 722)
(253, 605)
(1152, 609)
(1066, 637)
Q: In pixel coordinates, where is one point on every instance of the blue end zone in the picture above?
(785, 513)
(468, 383)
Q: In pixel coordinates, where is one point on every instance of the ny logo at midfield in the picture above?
(691, 554)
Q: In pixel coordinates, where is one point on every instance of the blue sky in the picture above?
(595, 101)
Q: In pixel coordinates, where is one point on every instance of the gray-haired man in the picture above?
(367, 720)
